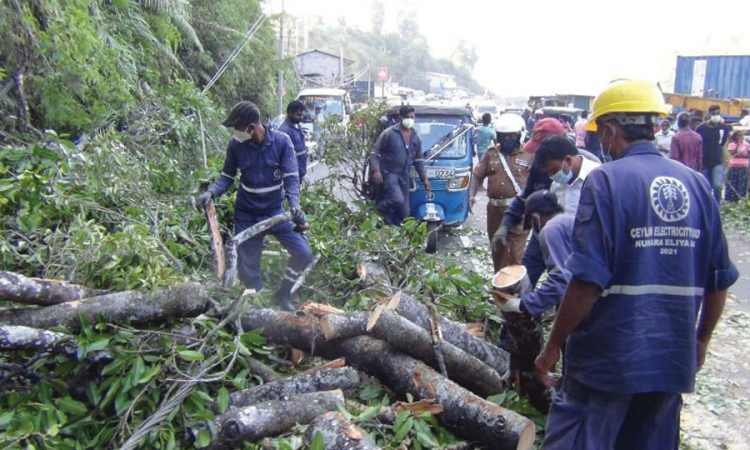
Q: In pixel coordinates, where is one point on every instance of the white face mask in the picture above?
(242, 136)
(715, 119)
(407, 123)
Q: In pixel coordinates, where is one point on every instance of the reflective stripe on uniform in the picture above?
(224, 174)
(302, 153)
(654, 289)
(293, 174)
(261, 190)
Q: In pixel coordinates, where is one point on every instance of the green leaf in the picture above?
(71, 406)
(370, 392)
(53, 430)
(427, 439)
(101, 344)
(203, 439)
(150, 373)
(191, 355)
(369, 413)
(318, 442)
(223, 399)
(403, 430)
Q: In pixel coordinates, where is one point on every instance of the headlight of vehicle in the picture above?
(458, 183)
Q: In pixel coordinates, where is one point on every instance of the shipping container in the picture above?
(713, 76)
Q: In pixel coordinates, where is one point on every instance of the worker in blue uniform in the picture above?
(554, 227)
(397, 149)
(268, 173)
(650, 270)
(295, 112)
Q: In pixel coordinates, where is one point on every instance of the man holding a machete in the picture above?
(268, 173)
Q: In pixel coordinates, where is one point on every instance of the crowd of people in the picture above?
(628, 232)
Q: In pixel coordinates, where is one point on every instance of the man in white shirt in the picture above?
(568, 170)
(663, 138)
(745, 118)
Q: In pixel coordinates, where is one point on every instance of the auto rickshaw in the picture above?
(448, 142)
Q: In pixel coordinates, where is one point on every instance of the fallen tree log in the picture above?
(455, 333)
(275, 417)
(37, 291)
(464, 413)
(409, 338)
(260, 369)
(15, 337)
(525, 336)
(284, 388)
(338, 433)
(138, 307)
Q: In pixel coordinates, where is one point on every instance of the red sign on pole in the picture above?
(382, 74)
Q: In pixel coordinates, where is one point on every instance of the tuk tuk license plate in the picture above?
(436, 172)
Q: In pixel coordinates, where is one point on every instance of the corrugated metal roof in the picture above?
(725, 76)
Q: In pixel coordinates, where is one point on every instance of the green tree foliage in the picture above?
(88, 63)
(405, 53)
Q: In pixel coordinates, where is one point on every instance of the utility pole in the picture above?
(369, 79)
(280, 77)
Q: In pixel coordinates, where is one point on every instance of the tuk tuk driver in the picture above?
(396, 150)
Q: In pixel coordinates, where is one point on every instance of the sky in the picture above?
(544, 47)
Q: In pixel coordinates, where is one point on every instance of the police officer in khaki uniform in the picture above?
(507, 166)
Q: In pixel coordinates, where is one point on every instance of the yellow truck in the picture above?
(729, 107)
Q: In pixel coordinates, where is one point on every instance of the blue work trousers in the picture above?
(533, 259)
(715, 176)
(249, 253)
(584, 418)
(393, 204)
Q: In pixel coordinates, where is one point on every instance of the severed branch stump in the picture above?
(464, 413)
(321, 380)
(37, 291)
(275, 417)
(409, 338)
(138, 307)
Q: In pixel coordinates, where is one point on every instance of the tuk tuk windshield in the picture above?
(439, 130)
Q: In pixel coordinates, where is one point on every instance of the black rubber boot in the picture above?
(283, 296)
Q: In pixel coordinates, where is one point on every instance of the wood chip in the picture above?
(335, 364)
(319, 309)
(296, 356)
(374, 316)
(362, 272)
(394, 301)
(475, 329)
(427, 405)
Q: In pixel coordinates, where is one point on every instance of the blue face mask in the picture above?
(561, 177)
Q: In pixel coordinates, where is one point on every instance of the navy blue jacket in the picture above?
(648, 233)
(298, 140)
(268, 172)
(556, 241)
(390, 153)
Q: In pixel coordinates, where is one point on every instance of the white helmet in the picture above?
(511, 123)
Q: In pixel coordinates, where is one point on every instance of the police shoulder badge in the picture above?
(669, 198)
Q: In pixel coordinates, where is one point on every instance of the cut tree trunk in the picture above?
(217, 247)
(409, 338)
(37, 291)
(338, 433)
(138, 307)
(281, 389)
(455, 333)
(464, 413)
(525, 335)
(14, 337)
(275, 417)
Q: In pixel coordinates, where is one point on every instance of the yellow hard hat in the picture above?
(628, 96)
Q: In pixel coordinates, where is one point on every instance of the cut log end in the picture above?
(508, 277)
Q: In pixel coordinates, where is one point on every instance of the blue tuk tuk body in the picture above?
(448, 142)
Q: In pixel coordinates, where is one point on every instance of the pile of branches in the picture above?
(402, 346)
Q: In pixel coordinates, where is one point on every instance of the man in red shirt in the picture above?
(687, 145)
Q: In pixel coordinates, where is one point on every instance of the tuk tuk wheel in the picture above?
(432, 236)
